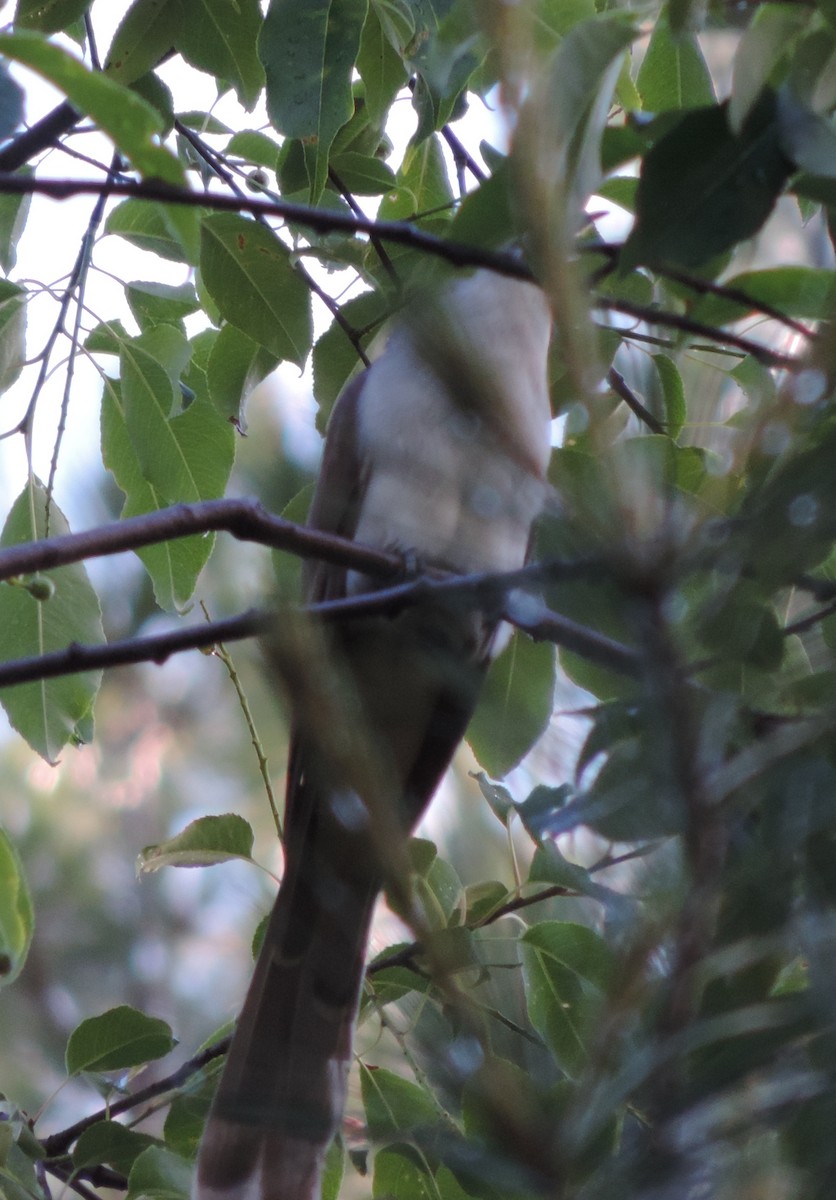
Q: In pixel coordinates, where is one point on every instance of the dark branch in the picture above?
(246, 520)
(59, 1143)
(320, 220)
(497, 591)
(40, 137)
(399, 232)
(657, 316)
(77, 658)
(619, 385)
(705, 287)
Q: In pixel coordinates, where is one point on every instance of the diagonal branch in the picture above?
(245, 519)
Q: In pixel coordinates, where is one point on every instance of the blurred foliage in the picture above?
(628, 987)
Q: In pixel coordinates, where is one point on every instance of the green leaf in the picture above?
(185, 1120)
(485, 216)
(309, 65)
(567, 969)
(17, 919)
(673, 73)
(49, 16)
(18, 1180)
(397, 20)
(50, 712)
(111, 1143)
(438, 887)
(13, 213)
(254, 147)
(399, 1171)
(394, 1105)
(446, 51)
(145, 34)
(106, 338)
(422, 186)
(578, 96)
(499, 799)
(702, 188)
(12, 333)
(380, 67)
(552, 20)
(236, 365)
(152, 89)
(119, 1038)
(220, 37)
(673, 394)
(203, 122)
(515, 704)
(159, 1175)
(362, 174)
(621, 189)
(158, 228)
(209, 444)
(203, 843)
(160, 303)
(681, 14)
(183, 456)
(483, 899)
(332, 1175)
(335, 357)
(770, 34)
(247, 272)
(119, 112)
(812, 74)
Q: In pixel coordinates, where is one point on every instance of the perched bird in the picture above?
(437, 451)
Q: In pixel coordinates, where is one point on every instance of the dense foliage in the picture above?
(637, 999)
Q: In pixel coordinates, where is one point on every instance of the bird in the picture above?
(437, 451)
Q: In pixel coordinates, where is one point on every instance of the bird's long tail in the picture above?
(281, 1097)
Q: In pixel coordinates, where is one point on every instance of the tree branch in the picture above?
(320, 220)
(657, 316)
(59, 1143)
(495, 590)
(247, 520)
(705, 287)
(619, 385)
(39, 137)
(399, 232)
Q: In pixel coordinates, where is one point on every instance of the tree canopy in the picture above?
(622, 984)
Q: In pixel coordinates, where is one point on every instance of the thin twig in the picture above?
(656, 316)
(619, 385)
(77, 283)
(220, 651)
(224, 170)
(59, 1143)
(704, 287)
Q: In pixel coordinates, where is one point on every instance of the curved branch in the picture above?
(245, 519)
